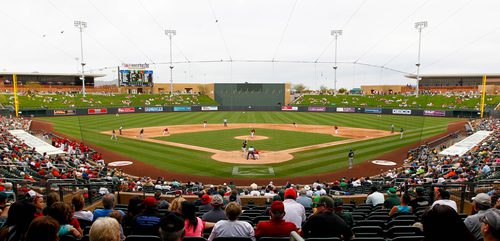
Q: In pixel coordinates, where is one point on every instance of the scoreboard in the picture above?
(135, 75)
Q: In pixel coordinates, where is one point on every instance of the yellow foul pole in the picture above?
(16, 101)
(483, 95)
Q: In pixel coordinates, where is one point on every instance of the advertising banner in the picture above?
(182, 108)
(316, 109)
(126, 110)
(64, 112)
(289, 108)
(401, 112)
(97, 111)
(153, 109)
(434, 112)
(346, 109)
(209, 108)
(373, 110)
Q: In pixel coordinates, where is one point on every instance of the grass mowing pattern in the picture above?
(224, 139)
(182, 160)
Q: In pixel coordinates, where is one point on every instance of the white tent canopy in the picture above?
(33, 141)
(465, 145)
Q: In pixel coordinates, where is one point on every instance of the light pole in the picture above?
(81, 25)
(419, 26)
(336, 34)
(171, 33)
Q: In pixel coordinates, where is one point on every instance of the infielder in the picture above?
(401, 131)
(165, 131)
(205, 124)
(225, 122)
(392, 128)
(141, 133)
(113, 135)
(120, 130)
(336, 128)
(351, 158)
(244, 148)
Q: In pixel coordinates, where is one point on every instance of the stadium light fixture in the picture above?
(419, 26)
(336, 34)
(171, 33)
(81, 25)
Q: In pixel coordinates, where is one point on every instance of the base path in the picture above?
(264, 157)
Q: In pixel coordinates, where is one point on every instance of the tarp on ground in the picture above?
(465, 145)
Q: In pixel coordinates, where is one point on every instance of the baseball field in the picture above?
(310, 148)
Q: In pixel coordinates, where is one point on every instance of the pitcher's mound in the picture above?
(255, 138)
(266, 157)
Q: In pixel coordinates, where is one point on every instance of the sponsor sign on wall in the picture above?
(316, 109)
(289, 108)
(434, 112)
(126, 110)
(401, 112)
(153, 109)
(182, 108)
(373, 110)
(97, 111)
(209, 108)
(64, 112)
(346, 109)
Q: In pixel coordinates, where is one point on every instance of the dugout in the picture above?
(252, 94)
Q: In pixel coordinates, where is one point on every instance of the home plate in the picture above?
(120, 163)
(383, 163)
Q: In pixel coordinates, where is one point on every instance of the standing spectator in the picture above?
(108, 201)
(105, 229)
(216, 214)
(443, 198)
(420, 200)
(490, 225)
(403, 207)
(481, 203)
(392, 199)
(147, 222)
(375, 197)
(304, 199)
(43, 229)
(172, 227)
(325, 223)
(232, 227)
(441, 222)
(276, 227)
(294, 211)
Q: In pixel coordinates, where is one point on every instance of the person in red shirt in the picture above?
(276, 226)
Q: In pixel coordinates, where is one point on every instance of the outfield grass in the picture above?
(175, 159)
(60, 101)
(441, 102)
(224, 139)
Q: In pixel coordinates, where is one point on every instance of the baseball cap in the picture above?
(391, 191)
(492, 218)
(149, 202)
(217, 200)
(205, 199)
(178, 193)
(325, 201)
(172, 223)
(483, 199)
(307, 187)
(33, 194)
(290, 192)
(277, 206)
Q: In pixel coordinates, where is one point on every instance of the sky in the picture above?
(255, 41)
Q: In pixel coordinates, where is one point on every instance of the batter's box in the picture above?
(253, 171)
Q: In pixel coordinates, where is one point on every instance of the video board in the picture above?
(135, 75)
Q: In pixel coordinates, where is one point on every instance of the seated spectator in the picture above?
(175, 206)
(108, 201)
(134, 208)
(481, 203)
(62, 212)
(78, 204)
(442, 222)
(346, 216)
(105, 229)
(147, 222)
(276, 227)
(375, 197)
(43, 229)
(325, 223)
(20, 216)
(172, 227)
(420, 200)
(4, 208)
(392, 199)
(403, 207)
(304, 199)
(162, 204)
(443, 198)
(119, 218)
(232, 227)
(193, 226)
(205, 203)
(490, 225)
(216, 214)
(294, 211)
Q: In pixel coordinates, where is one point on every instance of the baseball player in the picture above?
(120, 130)
(336, 128)
(392, 128)
(141, 133)
(244, 147)
(351, 158)
(225, 122)
(294, 124)
(401, 131)
(166, 132)
(113, 135)
(252, 133)
(205, 123)
(251, 151)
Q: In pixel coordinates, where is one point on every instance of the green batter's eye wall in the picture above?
(247, 94)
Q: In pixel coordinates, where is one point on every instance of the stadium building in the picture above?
(47, 81)
(458, 82)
